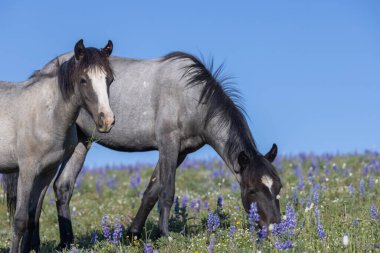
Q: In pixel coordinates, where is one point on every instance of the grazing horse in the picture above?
(37, 128)
(175, 105)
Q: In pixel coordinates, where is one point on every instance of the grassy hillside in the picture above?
(332, 204)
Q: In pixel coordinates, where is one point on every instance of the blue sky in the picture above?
(309, 71)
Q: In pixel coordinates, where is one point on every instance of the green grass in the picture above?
(338, 211)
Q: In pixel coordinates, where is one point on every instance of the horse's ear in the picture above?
(271, 155)
(79, 50)
(243, 160)
(108, 48)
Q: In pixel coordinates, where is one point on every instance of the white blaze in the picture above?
(98, 79)
(267, 181)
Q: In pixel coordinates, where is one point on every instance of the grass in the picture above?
(116, 192)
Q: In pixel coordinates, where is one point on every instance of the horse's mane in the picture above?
(69, 70)
(223, 101)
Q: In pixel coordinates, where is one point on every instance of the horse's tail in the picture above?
(9, 182)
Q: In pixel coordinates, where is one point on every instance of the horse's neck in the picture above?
(218, 137)
(62, 113)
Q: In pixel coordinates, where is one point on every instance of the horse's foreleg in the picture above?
(64, 187)
(25, 185)
(169, 153)
(149, 199)
(31, 238)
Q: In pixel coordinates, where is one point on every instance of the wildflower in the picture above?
(94, 237)
(361, 186)
(373, 212)
(355, 222)
(213, 221)
(321, 232)
(298, 173)
(345, 240)
(148, 248)
(117, 233)
(263, 232)
(351, 189)
(289, 223)
(234, 186)
(134, 181)
(316, 197)
(205, 204)
(219, 202)
(371, 183)
(253, 216)
(294, 196)
(106, 229)
(283, 245)
(232, 230)
(210, 247)
(184, 201)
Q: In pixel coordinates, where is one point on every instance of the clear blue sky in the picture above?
(309, 71)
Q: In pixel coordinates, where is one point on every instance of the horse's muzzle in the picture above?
(105, 122)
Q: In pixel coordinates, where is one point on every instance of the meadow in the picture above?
(330, 203)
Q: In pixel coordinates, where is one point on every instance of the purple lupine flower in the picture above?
(219, 202)
(298, 173)
(263, 232)
(253, 216)
(324, 188)
(362, 187)
(373, 212)
(288, 224)
(365, 170)
(94, 237)
(198, 205)
(106, 229)
(192, 204)
(148, 248)
(371, 183)
(335, 168)
(351, 189)
(111, 182)
(316, 197)
(213, 221)
(184, 201)
(205, 204)
(327, 171)
(281, 246)
(117, 233)
(295, 196)
(210, 248)
(234, 186)
(316, 212)
(135, 180)
(232, 230)
(355, 222)
(321, 232)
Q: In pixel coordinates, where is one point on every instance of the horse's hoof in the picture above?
(62, 246)
(133, 235)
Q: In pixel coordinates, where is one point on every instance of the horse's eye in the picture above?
(252, 192)
(82, 81)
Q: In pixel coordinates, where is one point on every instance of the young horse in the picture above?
(174, 105)
(38, 130)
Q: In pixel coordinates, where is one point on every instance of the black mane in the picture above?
(70, 71)
(222, 101)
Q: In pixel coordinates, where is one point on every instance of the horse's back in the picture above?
(144, 93)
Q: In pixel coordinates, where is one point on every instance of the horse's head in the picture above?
(88, 74)
(261, 184)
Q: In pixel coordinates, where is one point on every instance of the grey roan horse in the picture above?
(174, 105)
(37, 128)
